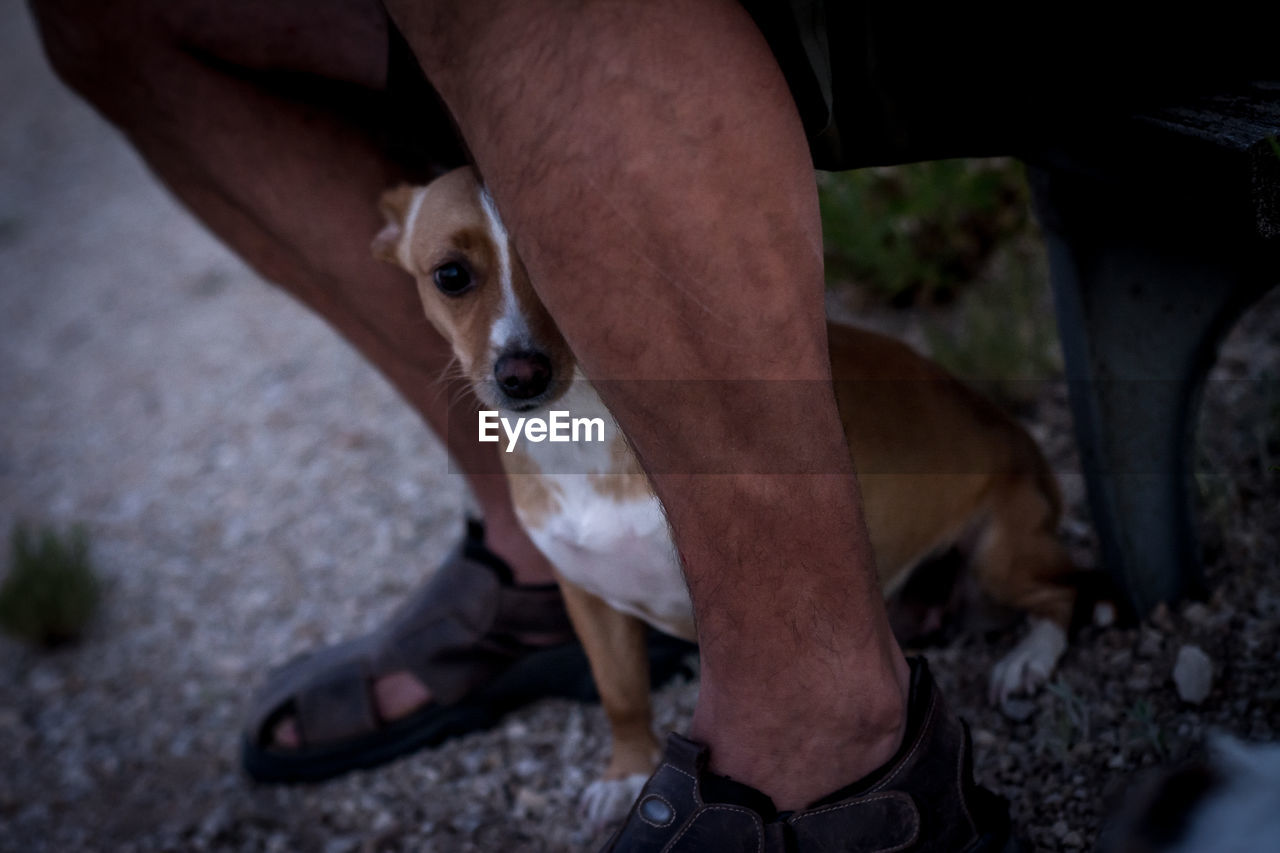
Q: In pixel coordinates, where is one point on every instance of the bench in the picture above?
(1162, 224)
(1161, 230)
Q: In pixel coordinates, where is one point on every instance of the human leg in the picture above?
(649, 161)
(256, 117)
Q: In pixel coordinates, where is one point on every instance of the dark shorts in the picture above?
(418, 132)
(894, 82)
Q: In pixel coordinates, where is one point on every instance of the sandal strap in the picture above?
(326, 690)
(463, 627)
(335, 708)
(456, 633)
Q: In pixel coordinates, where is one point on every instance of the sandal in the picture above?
(460, 635)
(924, 799)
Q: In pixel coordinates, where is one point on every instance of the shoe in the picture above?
(923, 799)
(459, 634)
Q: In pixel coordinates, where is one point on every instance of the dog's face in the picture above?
(475, 290)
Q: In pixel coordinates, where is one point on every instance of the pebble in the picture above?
(1193, 674)
(530, 802)
(1151, 644)
(1161, 618)
(1197, 614)
(11, 723)
(44, 680)
(983, 738)
(527, 767)
(1018, 710)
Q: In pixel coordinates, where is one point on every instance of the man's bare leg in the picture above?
(292, 188)
(650, 162)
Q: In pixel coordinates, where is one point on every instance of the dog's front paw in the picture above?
(1028, 666)
(607, 800)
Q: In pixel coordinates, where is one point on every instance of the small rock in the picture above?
(1151, 644)
(527, 768)
(983, 738)
(1104, 614)
(11, 721)
(45, 680)
(1018, 710)
(1161, 618)
(1193, 674)
(1197, 614)
(529, 802)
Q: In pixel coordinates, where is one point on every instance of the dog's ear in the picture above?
(394, 205)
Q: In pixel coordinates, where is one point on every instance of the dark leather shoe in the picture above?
(923, 799)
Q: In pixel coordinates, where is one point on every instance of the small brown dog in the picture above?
(587, 504)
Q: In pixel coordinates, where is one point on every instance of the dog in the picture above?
(589, 506)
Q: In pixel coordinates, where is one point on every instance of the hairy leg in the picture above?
(652, 167)
(252, 114)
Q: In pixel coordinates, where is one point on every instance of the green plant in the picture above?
(50, 591)
(1002, 337)
(1145, 730)
(1070, 718)
(914, 233)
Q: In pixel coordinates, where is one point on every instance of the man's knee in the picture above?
(114, 52)
(96, 47)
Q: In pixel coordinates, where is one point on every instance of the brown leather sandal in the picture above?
(460, 634)
(923, 799)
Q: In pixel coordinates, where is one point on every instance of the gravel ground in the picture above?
(252, 489)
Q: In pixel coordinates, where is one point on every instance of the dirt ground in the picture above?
(252, 489)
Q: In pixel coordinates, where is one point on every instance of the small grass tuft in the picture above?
(51, 591)
(1070, 718)
(913, 234)
(1145, 731)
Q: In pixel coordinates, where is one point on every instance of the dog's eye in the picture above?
(453, 279)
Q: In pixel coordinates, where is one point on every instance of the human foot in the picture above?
(800, 733)
(484, 643)
(922, 799)
(481, 641)
(399, 693)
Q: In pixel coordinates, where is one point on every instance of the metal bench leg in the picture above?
(1143, 298)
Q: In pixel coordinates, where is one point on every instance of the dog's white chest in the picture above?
(603, 530)
(621, 551)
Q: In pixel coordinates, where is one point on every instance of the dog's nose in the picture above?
(522, 375)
